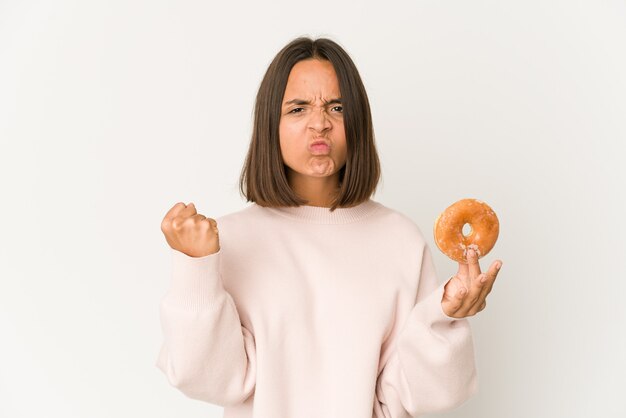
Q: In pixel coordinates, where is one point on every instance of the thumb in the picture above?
(452, 289)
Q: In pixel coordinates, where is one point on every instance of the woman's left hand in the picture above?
(465, 294)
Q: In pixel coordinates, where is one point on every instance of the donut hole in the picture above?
(467, 230)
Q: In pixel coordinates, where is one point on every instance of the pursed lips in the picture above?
(319, 147)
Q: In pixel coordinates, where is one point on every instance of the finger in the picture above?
(470, 298)
(210, 221)
(190, 210)
(457, 303)
(473, 299)
(187, 212)
(452, 287)
(492, 275)
(477, 308)
(174, 211)
(213, 223)
(472, 260)
(479, 288)
(452, 295)
(463, 270)
(486, 281)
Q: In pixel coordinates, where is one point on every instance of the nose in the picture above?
(319, 120)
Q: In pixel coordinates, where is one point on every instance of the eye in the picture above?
(294, 110)
(340, 108)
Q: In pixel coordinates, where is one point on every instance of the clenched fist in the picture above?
(190, 232)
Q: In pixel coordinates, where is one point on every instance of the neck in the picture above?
(317, 191)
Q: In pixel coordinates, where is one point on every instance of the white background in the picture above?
(113, 111)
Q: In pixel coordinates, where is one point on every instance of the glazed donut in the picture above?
(482, 236)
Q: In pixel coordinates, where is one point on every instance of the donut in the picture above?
(481, 237)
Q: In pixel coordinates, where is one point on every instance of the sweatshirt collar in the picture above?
(322, 215)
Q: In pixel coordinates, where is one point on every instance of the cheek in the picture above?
(290, 139)
(289, 130)
(287, 144)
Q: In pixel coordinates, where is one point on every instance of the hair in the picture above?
(263, 177)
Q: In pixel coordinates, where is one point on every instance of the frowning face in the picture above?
(312, 112)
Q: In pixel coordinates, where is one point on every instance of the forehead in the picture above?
(312, 77)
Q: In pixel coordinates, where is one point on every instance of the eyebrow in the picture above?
(307, 102)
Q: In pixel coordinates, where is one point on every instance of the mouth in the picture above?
(319, 147)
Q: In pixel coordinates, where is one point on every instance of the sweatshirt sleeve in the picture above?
(206, 352)
(430, 366)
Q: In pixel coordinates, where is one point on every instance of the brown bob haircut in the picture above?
(263, 177)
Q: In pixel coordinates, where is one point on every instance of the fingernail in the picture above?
(498, 265)
(483, 279)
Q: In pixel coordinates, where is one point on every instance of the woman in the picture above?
(315, 301)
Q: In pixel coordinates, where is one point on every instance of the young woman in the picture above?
(315, 300)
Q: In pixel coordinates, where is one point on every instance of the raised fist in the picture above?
(189, 232)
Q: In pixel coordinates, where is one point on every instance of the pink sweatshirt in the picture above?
(308, 313)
